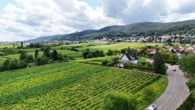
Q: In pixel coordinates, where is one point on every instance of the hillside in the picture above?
(122, 30)
(44, 38)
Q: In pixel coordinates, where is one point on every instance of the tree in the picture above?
(36, 53)
(22, 44)
(186, 63)
(119, 101)
(104, 62)
(159, 64)
(43, 60)
(174, 57)
(23, 55)
(115, 60)
(46, 52)
(55, 55)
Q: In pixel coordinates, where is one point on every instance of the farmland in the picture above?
(106, 46)
(72, 86)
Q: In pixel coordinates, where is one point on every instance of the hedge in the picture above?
(127, 66)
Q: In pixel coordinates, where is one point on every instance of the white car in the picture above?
(152, 107)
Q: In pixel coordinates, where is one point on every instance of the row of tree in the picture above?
(91, 54)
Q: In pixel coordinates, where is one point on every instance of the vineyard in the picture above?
(68, 86)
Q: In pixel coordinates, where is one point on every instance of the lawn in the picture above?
(73, 86)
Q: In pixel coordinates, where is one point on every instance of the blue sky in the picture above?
(29, 19)
(4, 3)
(92, 3)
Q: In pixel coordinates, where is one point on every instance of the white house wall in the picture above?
(124, 58)
(134, 61)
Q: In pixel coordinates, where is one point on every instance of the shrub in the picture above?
(118, 101)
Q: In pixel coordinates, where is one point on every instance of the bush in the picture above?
(119, 101)
(43, 60)
(170, 62)
(104, 62)
(13, 64)
(132, 66)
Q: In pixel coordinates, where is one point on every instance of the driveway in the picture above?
(176, 91)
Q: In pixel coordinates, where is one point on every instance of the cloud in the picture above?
(131, 11)
(33, 18)
(28, 19)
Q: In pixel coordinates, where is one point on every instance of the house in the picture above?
(151, 51)
(165, 38)
(176, 48)
(129, 57)
(137, 49)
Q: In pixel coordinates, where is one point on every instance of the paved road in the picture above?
(176, 91)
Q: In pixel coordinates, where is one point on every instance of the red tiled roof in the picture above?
(151, 50)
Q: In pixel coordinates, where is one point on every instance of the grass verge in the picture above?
(159, 87)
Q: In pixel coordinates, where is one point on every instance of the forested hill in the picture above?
(123, 30)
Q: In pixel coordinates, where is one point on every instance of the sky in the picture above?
(28, 19)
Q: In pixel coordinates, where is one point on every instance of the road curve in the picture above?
(176, 91)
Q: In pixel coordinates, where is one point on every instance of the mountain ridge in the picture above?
(120, 30)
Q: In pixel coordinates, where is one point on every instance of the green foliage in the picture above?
(46, 52)
(187, 63)
(104, 62)
(91, 54)
(127, 50)
(148, 93)
(119, 101)
(23, 55)
(159, 64)
(54, 55)
(42, 60)
(141, 68)
(174, 57)
(22, 44)
(36, 53)
(188, 104)
(13, 64)
(36, 45)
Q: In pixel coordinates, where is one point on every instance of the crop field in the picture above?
(63, 52)
(11, 51)
(98, 59)
(70, 53)
(68, 86)
(105, 46)
(17, 56)
(6, 45)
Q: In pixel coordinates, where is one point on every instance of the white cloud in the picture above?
(131, 11)
(34, 18)
(27, 19)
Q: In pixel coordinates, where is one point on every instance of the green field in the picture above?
(70, 53)
(71, 86)
(6, 45)
(1, 60)
(105, 46)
